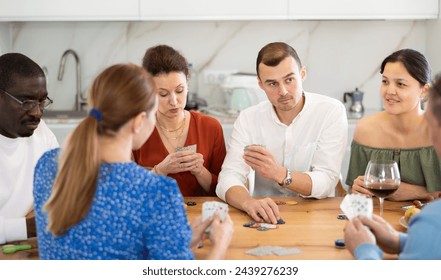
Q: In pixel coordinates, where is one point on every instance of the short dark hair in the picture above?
(435, 97)
(17, 64)
(163, 59)
(273, 53)
(414, 62)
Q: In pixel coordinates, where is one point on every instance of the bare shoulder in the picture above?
(368, 128)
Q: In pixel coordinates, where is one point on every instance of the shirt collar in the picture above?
(276, 118)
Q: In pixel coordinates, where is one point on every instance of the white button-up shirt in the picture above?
(314, 143)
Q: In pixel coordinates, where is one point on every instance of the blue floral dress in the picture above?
(135, 214)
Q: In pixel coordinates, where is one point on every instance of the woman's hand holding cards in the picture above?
(221, 232)
(177, 162)
(215, 224)
(198, 228)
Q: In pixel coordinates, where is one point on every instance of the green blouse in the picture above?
(418, 166)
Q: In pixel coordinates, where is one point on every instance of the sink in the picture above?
(64, 114)
(63, 122)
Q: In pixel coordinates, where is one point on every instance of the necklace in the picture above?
(181, 127)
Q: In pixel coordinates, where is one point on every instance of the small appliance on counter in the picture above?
(356, 99)
(242, 91)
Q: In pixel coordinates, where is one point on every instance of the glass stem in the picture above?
(381, 205)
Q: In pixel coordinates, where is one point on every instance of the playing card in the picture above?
(246, 147)
(191, 147)
(354, 205)
(362, 205)
(270, 250)
(282, 251)
(211, 207)
(346, 207)
(261, 251)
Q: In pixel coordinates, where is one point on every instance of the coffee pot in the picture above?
(356, 98)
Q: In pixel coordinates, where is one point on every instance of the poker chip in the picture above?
(340, 244)
(341, 216)
(291, 202)
(191, 203)
(262, 228)
(269, 226)
(279, 202)
(249, 224)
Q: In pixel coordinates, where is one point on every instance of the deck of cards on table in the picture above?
(354, 205)
(211, 207)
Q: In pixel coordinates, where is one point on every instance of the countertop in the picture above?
(357, 116)
(225, 118)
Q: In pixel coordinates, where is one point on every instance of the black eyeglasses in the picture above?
(28, 105)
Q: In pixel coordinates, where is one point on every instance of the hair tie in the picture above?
(96, 114)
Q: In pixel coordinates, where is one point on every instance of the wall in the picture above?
(434, 45)
(339, 55)
(5, 41)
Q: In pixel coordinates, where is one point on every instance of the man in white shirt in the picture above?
(302, 138)
(24, 137)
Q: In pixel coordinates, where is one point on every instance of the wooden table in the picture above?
(311, 226)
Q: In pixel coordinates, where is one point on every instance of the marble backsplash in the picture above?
(339, 55)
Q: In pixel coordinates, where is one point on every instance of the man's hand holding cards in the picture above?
(354, 205)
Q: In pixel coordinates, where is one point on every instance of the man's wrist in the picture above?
(281, 176)
(287, 180)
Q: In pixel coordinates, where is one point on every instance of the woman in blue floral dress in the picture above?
(93, 202)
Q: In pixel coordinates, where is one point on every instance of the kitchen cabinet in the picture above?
(128, 10)
(213, 10)
(62, 128)
(363, 9)
(68, 10)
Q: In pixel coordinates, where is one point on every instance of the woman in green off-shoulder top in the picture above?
(400, 132)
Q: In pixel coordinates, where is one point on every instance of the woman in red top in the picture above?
(187, 146)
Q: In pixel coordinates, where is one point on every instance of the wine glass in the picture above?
(382, 178)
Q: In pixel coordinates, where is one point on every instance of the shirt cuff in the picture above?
(368, 251)
(15, 229)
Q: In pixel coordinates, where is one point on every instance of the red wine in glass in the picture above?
(382, 189)
(382, 178)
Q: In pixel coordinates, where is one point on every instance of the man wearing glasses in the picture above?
(24, 137)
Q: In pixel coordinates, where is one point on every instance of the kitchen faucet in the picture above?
(80, 101)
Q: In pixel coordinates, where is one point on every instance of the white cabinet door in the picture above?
(213, 10)
(363, 9)
(65, 10)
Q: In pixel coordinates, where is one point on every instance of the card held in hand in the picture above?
(211, 207)
(191, 147)
(354, 205)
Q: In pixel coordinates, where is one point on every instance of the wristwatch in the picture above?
(288, 179)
